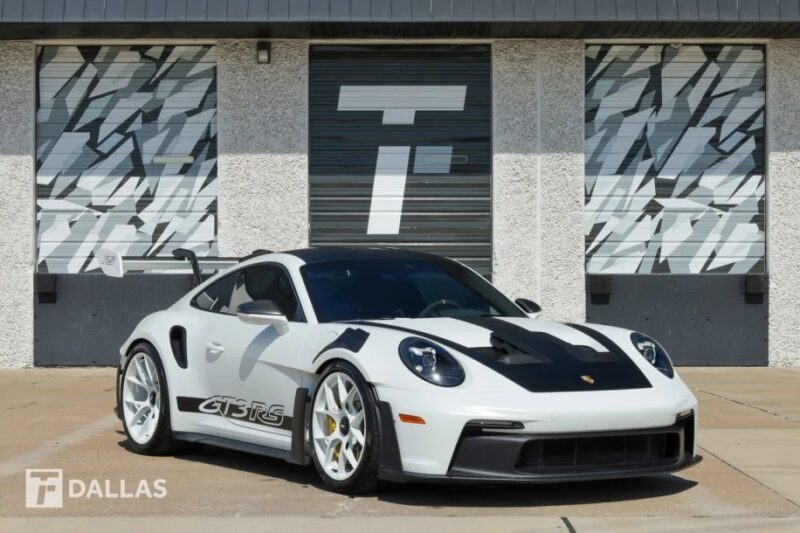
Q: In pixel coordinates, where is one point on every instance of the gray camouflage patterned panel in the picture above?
(126, 142)
(675, 159)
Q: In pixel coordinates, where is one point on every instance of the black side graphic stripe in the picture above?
(352, 339)
(237, 410)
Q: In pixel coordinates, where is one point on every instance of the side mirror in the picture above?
(530, 307)
(263, 313)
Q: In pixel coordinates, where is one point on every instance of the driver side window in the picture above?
(257, 282)
(266, 282)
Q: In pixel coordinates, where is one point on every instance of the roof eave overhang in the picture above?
(401, 30)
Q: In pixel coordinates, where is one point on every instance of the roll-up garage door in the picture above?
(126, 152)
(675, 185)
(126, 159)
(400, 149)
(675, 159)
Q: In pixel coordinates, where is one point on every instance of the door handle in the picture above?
(215, 348)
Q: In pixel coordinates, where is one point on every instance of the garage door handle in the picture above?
(215, 348)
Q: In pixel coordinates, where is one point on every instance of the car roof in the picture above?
(335, 253)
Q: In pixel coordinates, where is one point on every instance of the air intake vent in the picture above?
(622, 450)
(177, 341)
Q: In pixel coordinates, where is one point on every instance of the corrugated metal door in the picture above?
(400, 149)
(126, 152)
(675, 159)
(126, 143)
(675, 186)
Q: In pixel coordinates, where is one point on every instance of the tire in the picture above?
(345, 427)
(144, 389)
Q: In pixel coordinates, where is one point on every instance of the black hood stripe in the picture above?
(568, 364)
(534, 341)
(598, 337)
(540, 362)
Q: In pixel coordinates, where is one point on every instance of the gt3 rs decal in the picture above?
(238, 409)
(540, 362)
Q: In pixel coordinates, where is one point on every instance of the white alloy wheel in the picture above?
(141, 398)
(338, 426)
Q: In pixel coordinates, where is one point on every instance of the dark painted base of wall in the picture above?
(701, 320)
(83, 319)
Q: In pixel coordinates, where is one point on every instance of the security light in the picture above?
(263, 52)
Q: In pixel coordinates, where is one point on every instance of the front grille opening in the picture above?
(602, 451)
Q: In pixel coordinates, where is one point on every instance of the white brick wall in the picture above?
(783, 201)
(17, 216)
(538, 174)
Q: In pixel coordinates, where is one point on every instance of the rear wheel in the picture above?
(344, 430)
(145, 402)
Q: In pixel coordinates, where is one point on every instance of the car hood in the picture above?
(539, 355)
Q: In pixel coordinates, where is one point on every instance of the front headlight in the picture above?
(431, 362)
(655, 354)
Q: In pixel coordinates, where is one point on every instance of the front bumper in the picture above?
(492, 456)
(430, 448)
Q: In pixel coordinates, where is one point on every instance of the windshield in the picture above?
(359, 289)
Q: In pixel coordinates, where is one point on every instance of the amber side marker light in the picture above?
(411, 419)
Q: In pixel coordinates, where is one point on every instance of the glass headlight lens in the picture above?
(655, 354)
(431, 362)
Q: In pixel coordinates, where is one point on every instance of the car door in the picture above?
(249, 369)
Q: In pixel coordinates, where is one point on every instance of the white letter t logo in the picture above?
(399, 104)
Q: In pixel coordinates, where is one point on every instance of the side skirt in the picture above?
(296, 455)
(230, 444)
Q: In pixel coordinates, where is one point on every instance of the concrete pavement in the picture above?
(60, 418)
(453, 524)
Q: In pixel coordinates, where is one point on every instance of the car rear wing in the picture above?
(115, 265)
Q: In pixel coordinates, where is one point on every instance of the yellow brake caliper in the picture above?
(331, 428)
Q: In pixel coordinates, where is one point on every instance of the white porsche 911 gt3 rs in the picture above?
(396, 365)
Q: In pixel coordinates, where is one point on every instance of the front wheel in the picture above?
(145, 402)
(344, 430)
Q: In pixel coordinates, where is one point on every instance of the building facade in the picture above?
(627, 162)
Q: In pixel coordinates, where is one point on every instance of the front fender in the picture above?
(153, 328)
(341, 354)
(150, 329)
(374, 352)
